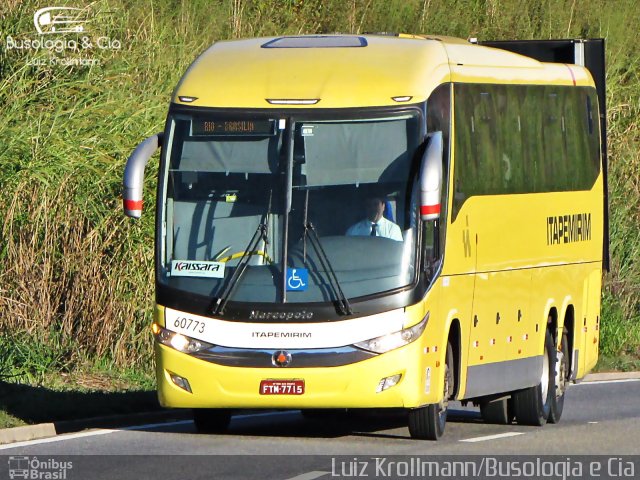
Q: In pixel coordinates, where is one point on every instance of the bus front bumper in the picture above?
(357, 385)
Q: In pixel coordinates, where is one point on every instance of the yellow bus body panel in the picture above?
(348, 386)
(242, 74)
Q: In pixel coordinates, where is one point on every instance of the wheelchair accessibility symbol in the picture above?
(297, 279)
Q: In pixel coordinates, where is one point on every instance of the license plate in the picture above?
(281, 387)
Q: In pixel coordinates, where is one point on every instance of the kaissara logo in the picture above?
(189, 268)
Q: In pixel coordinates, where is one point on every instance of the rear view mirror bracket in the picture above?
(431, 178)
(133, 179)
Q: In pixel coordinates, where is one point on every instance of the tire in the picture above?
(532, 406)
(211, 420)
(428, 422)
(561, 380)
(499, 411)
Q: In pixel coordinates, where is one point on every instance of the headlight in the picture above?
(394, 340)
(180, 342)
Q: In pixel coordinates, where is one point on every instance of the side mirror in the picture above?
(134, 175)
(431, 178)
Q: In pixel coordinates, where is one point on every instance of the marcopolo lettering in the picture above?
(260, 315)
(568, 228)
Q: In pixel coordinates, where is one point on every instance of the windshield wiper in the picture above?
(221, 302)
(343, 302)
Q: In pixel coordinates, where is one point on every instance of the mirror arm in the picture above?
(431, 178)
(133, 179)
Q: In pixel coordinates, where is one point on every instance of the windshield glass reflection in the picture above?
(350, 187)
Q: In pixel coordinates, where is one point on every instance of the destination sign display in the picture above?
(208, 127)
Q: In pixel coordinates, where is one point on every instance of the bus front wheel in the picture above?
(532, 406)
(211, 420)
(428, 422)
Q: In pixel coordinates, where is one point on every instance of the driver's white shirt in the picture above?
(385, 228)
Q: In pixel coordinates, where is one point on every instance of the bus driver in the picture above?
(375, 225)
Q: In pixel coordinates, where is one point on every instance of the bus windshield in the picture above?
(308, 203)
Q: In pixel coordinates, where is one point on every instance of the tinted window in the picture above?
(524, 139)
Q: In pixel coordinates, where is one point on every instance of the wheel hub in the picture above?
(445, 399)
(560, 370)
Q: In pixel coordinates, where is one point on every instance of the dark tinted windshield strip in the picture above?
(299, 114)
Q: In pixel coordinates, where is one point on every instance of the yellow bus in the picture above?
(375, 221)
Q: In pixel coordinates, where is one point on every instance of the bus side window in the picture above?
(439, 110)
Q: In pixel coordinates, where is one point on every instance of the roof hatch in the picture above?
(316, 41)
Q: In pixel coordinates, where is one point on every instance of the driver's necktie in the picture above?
(374, 226)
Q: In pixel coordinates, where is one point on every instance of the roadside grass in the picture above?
(46, 382)
(23, 404)
(9, 421)
(76, 278)
(618, 363)
(40, 385)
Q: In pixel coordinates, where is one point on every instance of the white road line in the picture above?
(155, 425)
(492, 437)
(93, 433)
(600, 382)
(58, 438)
(266, 414)
(186, 422)
(309, 475)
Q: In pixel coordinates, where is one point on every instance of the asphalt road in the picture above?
(600, 418)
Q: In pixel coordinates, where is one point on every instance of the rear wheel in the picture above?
(561, 373)
(211, 420)
(498, 411)
(532, 406)
(428, 422)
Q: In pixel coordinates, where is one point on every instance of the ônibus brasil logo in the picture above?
(34, 468)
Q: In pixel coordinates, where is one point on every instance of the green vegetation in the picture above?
(76, 282)
(70, 398)
(46, 382)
